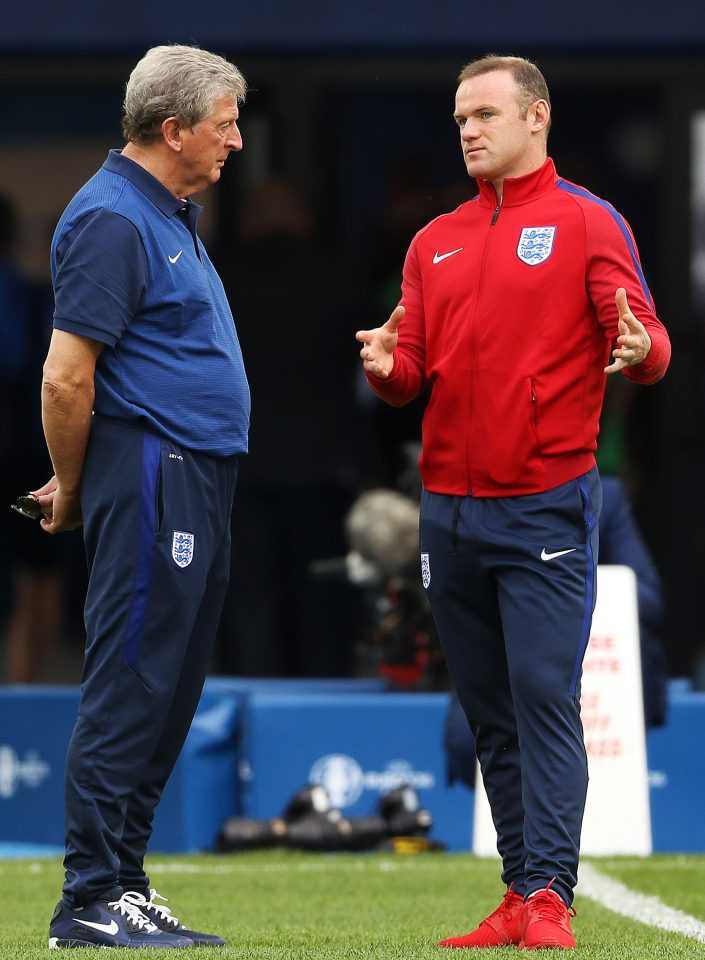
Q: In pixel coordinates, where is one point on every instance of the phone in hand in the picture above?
(28, 506)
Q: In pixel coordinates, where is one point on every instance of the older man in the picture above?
(510, 307)
(145, 408)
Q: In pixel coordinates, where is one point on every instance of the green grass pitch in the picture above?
(278, 905)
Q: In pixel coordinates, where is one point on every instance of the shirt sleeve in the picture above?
(101, 276)
(408, 377)
(613, 262)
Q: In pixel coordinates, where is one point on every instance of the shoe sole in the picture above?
(548, 945)
(61, 944)
(57, 943)
(477, 946)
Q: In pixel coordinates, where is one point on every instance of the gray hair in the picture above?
(176, 81)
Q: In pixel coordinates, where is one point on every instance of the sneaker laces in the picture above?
(164, 912)
(506, 909)
(547, 905)
(129, 908)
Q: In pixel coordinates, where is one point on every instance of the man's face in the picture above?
(496, 141)
(207, 146)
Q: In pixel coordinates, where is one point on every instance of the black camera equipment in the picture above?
(309, 823)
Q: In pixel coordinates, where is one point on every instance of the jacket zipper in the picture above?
(496, 212)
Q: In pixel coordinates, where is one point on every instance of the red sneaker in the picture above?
(546, 922)
(502, 928)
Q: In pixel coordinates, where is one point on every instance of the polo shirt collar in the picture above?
(155, 191)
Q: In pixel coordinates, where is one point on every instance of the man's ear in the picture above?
(172, 131)
(542, 115)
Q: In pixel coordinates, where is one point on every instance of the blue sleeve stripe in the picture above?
(580, 192)
(590, 584)
(151, 459)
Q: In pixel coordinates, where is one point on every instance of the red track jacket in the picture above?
(510, 319)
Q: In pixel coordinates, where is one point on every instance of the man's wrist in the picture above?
(68, 488)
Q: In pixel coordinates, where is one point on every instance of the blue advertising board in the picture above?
(359, 746)
(254, 743)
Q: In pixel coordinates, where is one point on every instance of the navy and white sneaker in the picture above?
(163, 918)
(116, 924)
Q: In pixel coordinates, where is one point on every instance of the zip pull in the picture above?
(496, 212)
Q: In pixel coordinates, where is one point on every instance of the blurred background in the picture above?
(349, 148)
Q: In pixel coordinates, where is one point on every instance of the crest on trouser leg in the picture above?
(182, 548)
(425, 570)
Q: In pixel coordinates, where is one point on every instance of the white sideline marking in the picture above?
(646, 909)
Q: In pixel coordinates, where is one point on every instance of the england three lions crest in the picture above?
(535, 244)
(425, 570)
(182, 548)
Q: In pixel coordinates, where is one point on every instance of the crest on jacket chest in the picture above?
(535, 244)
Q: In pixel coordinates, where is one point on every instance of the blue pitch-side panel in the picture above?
(359, 746)
(145, 560)
(677, 776)
(618, 219)
(28, 851)
(387, 736)
(35, 728)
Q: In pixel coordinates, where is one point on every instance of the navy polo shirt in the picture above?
(130, 271)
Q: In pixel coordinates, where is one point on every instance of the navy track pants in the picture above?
(511, 583)
(157, 536)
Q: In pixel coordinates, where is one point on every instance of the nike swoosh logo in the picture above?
(558, 553)
(437, 258)
(174, 259)
(111, 928)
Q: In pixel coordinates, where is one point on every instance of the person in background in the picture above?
(511, 306)
(146, 410)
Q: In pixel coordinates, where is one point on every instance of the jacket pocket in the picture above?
(507, 440)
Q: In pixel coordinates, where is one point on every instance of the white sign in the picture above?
(617, 816)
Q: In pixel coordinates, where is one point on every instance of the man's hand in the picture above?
(633, 342)
(68, 391)
(60, 512)
(379, 345)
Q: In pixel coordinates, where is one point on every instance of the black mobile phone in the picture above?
(28, 506)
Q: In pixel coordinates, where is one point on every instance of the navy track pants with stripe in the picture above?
(511, 583)
(157, 536)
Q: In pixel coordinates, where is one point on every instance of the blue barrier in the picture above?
(204, 788)
(254, 742)
(676, 756)
(359, 746)
(35, 727)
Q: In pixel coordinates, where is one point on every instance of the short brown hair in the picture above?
(527, 76)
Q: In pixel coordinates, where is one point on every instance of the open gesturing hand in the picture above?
(379, 345)
(633, 342)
